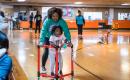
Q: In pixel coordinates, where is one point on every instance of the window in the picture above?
(123, 16)
(93, 15)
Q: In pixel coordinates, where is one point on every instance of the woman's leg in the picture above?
(45, 54)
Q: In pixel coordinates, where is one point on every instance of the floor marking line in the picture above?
(88, 71)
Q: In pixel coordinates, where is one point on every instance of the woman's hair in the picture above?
(2, 13)
(4, 42)
(53, 10)
(54, 28)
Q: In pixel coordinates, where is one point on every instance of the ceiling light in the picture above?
(21, 0)
(125, 4)
(78, 2)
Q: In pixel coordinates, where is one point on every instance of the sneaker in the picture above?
(100, 42)
(52, 73)
(43, 69)
(60, 72)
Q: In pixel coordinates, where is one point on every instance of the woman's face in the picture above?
(55, 16)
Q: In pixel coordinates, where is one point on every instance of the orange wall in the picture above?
(121, 24)
(71, 24)
(88, 24)
(26, 24)
(94, 23)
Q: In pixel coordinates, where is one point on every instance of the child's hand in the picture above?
(40, 44)
(70, 44)
(54, 45)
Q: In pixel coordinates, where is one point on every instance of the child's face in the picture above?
(57, 32)
(55, 16)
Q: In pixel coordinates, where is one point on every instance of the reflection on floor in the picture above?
(92, 61)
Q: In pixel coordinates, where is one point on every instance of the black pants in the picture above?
(46, 52)
(80, 29)
(38, 23)
(31, 22)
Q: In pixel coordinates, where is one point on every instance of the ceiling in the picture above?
(86, 3)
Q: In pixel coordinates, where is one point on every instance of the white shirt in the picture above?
(57, 41)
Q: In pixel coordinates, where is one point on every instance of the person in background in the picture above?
(18, 19)
(25, 17)
(80, 22)
(54, 19)
(38, 19)
(10, 22)
(14, 22)
(31, 20)
(3, 23)
(5, 60)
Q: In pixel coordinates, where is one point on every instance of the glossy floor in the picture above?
(93, 61)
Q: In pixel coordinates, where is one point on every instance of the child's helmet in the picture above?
(4, 42)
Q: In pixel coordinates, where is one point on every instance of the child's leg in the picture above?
(52, 60)
(60, 63)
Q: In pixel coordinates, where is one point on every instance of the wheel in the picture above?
(56, 78)
(72, 78)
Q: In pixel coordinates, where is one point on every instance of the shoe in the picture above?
(43, 69)
(60, 72)
(52, 73)
(100, 42)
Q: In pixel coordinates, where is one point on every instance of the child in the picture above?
(5, 60)
(57, 40)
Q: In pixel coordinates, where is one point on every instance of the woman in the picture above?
(54, 19)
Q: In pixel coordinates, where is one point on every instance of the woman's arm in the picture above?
(65, 28)
(43, 32)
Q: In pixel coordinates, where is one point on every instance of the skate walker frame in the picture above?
(56, 76)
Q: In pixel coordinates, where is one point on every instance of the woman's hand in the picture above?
(40, 44)
(69, 44)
